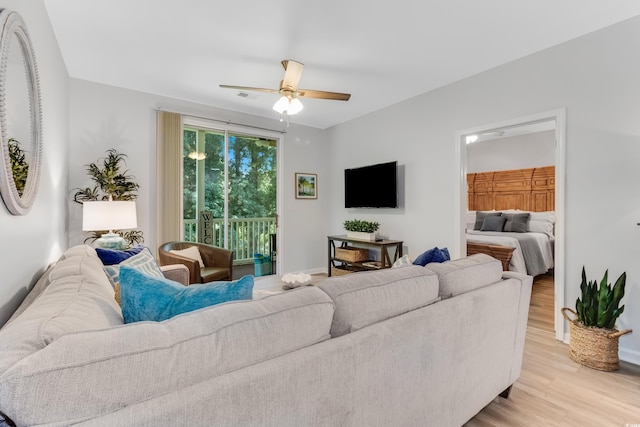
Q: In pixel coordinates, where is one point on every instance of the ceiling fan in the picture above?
(289, 102)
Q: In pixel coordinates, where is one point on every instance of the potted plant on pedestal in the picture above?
(594, 337)
(359, 229)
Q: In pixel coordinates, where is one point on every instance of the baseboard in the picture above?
(625, 355)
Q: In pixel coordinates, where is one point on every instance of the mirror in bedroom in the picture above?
(512, 169)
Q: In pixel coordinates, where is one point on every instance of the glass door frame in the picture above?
(217, 126)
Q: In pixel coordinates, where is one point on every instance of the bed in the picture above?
(519, 193)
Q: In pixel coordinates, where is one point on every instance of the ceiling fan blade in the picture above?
(321, 94)
(255, 89)
(292, 73)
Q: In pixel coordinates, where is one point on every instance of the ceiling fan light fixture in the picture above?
(295, 106)
(288, 104)
(281, 104)
(195, 155)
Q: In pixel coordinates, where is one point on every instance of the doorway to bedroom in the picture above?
(513, 168)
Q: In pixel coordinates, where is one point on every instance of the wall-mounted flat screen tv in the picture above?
(373, 186)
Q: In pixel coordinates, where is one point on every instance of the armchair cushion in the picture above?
(149, 298)
(190, 252)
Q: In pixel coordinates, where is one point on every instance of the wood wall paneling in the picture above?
(530, 189)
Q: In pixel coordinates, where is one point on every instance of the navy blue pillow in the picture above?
(432, 255)
(445, 252)
(113, 257)
(149, 298)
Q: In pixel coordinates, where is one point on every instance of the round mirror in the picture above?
(20, 115)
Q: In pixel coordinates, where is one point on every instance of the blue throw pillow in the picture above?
(112, 256)
(432, 255)
(445, 252)
(150, 298)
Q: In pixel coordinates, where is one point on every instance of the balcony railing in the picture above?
(247, 236)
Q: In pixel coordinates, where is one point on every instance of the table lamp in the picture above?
(109, 215)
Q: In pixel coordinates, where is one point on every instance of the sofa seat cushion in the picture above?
(134, 363)
(211, 274)
(78, 297)
(466, 274)
(365, 298)
(150, 298)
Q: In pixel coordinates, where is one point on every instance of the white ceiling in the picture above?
(381, 52)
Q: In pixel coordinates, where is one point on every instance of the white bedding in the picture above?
(517, 262)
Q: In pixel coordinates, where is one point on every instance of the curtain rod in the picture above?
(228, 122)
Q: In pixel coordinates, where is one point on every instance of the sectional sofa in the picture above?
(410, 346)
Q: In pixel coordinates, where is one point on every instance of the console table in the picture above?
(347, 266)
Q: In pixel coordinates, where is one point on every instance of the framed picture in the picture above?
(306, 185)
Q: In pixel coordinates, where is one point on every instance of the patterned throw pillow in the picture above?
(146, 298)
(143, 262)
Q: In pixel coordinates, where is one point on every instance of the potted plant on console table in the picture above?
(593, 336)
(360, 229)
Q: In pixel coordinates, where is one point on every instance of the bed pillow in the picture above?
(480, 216)
(146, 298)
(113, 256)
(192, 252)
(542, 222)
(517, 222)
(432, 255)
(493, 223)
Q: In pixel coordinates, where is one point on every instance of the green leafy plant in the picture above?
(111, 183)
(19, 165)
(361, 226)
(599, 306)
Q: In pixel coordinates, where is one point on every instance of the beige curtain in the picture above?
(169, 145)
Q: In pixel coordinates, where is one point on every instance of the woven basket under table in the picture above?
(593, 347)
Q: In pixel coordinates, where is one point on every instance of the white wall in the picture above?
(596, 77)
(104, 117)
(31, 242)
(517, 152)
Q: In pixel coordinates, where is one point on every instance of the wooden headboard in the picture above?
(531, 189)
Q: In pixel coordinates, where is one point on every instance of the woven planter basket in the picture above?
(596, 348)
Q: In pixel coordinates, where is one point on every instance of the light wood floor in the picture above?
(555, 391)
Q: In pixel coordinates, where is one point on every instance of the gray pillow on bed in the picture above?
(480, 216)
(517, 223)
(493, 223)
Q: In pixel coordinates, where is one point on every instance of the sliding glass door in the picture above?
(229, 191)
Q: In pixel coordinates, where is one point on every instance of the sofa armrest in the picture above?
(176, 272)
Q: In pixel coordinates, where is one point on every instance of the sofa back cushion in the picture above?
(78, 297)
(466, 274)
(365, 298)
(135, 362)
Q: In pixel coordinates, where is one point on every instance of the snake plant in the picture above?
(599, 306)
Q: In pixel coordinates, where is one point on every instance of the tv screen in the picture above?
(372, 186)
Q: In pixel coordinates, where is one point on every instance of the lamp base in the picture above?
(110, 241)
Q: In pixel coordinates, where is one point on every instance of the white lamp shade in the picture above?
(295, 106)
(281, 104)
(109, 215)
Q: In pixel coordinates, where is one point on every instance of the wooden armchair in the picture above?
(218, 262)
